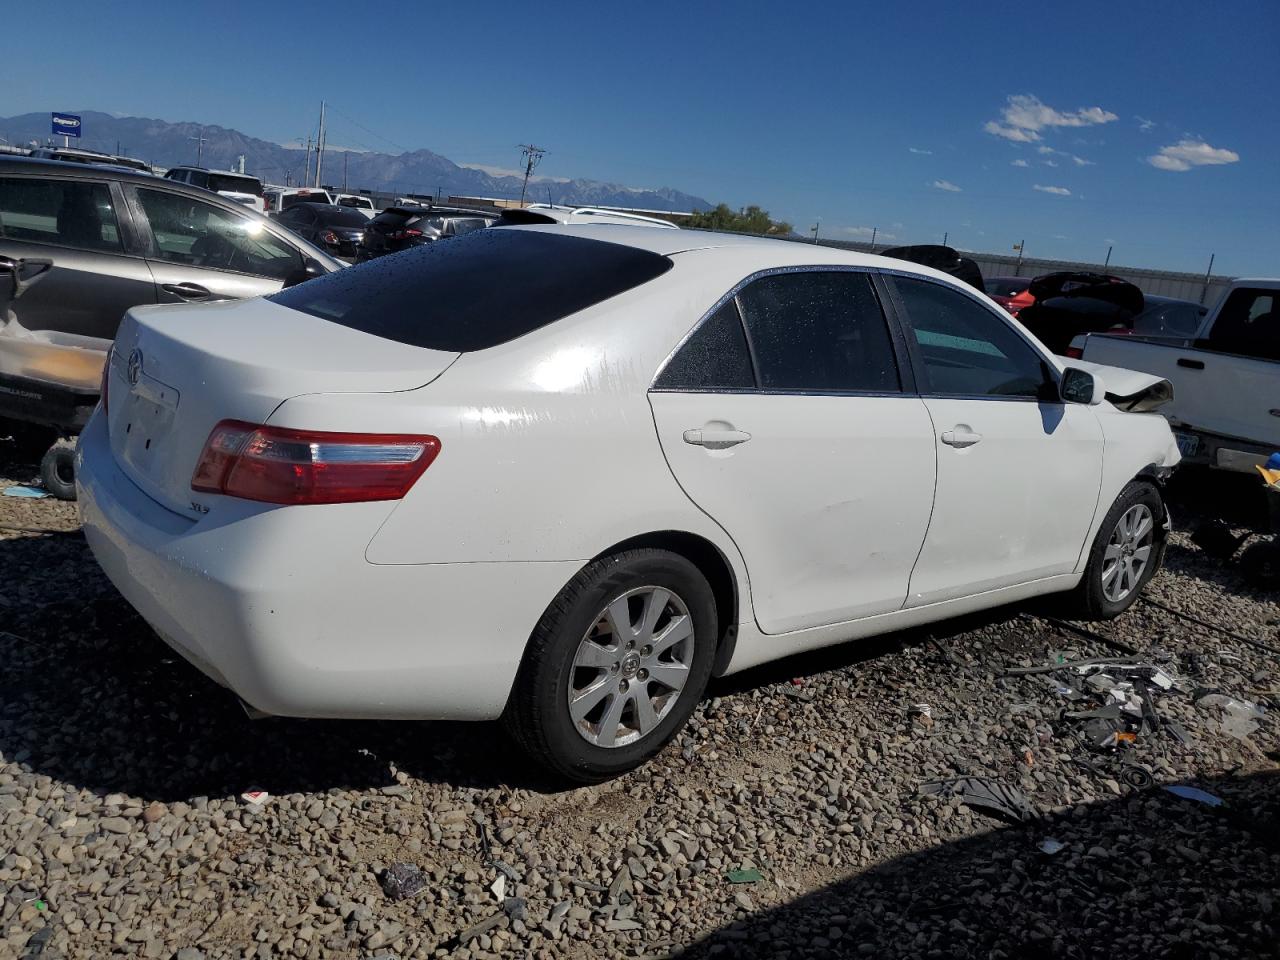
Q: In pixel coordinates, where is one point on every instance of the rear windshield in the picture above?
(396, 217)
(475, 292)
(342, 217)
(287, 200)
(219, 182)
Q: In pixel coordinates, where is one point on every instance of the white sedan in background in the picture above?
(564, 474)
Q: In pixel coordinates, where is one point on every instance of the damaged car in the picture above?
(564, 474)
(79, 245)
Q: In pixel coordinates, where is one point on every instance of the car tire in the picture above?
(58, 469)
(576, 651)
(1113, 579)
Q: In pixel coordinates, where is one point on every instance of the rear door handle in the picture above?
(716, 439)
(187, 291)
(960, 437)
(1190, 364)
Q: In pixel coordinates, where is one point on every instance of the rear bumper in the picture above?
(1225, 453)
(280, 605)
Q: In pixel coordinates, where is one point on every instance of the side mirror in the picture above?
(309, 269)
(1080, 386)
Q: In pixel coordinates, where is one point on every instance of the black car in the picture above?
(399, 228)
(82, 243)
(335, 228)
(1070, 303)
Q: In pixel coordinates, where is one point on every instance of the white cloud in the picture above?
(1010, 133)
(1050, 163)
(1144, 124)
(927, 153)
(1019, 163)
(1056, 191)
(1045, 150)
(1024, 115)
(1186, 154)
(946, 185)
(1081, 161)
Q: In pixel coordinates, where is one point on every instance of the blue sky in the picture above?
(1152, 126)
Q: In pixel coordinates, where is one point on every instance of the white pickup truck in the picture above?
(1225, 410)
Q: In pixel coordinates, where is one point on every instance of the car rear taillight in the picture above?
(275, 465)
(1074, 353)
(403, 234)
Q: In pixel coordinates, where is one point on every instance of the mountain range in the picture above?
(166, 144)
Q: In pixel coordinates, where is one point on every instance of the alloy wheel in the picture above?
(1128, 552)
(631, 667)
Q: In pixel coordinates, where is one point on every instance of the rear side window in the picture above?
(68, 213)
(820, 331)
(714, 358)
(481, 290)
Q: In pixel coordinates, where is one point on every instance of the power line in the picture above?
(531, 155)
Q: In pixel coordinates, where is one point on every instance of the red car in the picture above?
(1010, 292)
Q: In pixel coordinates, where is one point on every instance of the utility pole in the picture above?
(320, 145)
(200, 142)
(344, 171)
(531, 155)
(944, 237)
(1207, 274)
(814, 229)
(1106, 263)
(1018, 246)
(873, 239)
(306, 177)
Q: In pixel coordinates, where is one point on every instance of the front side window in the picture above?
(715, 357)
(819, 331)
(967, 350)
(201, 235)
(65, 213)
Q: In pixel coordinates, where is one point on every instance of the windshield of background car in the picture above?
(218, 182)
(441, 296)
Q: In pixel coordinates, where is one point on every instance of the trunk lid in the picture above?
(178, 370)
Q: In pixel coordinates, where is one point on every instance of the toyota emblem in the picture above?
(134, 368)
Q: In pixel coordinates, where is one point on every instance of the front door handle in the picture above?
(961, 437)
(716, 439)
(1190, 364)
(187, 291)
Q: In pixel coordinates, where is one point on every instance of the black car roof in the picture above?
(11, 164)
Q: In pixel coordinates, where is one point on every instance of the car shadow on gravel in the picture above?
(1146, 875)
(91, 698)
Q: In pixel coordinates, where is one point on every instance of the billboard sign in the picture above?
(66, 125)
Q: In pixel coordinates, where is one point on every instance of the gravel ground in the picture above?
(123, 831)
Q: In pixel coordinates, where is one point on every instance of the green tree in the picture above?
(750, 220)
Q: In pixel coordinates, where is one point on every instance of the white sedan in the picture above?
(563, 475)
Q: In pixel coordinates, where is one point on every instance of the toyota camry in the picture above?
(563, 475)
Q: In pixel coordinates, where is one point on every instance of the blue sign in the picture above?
(66, 124)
